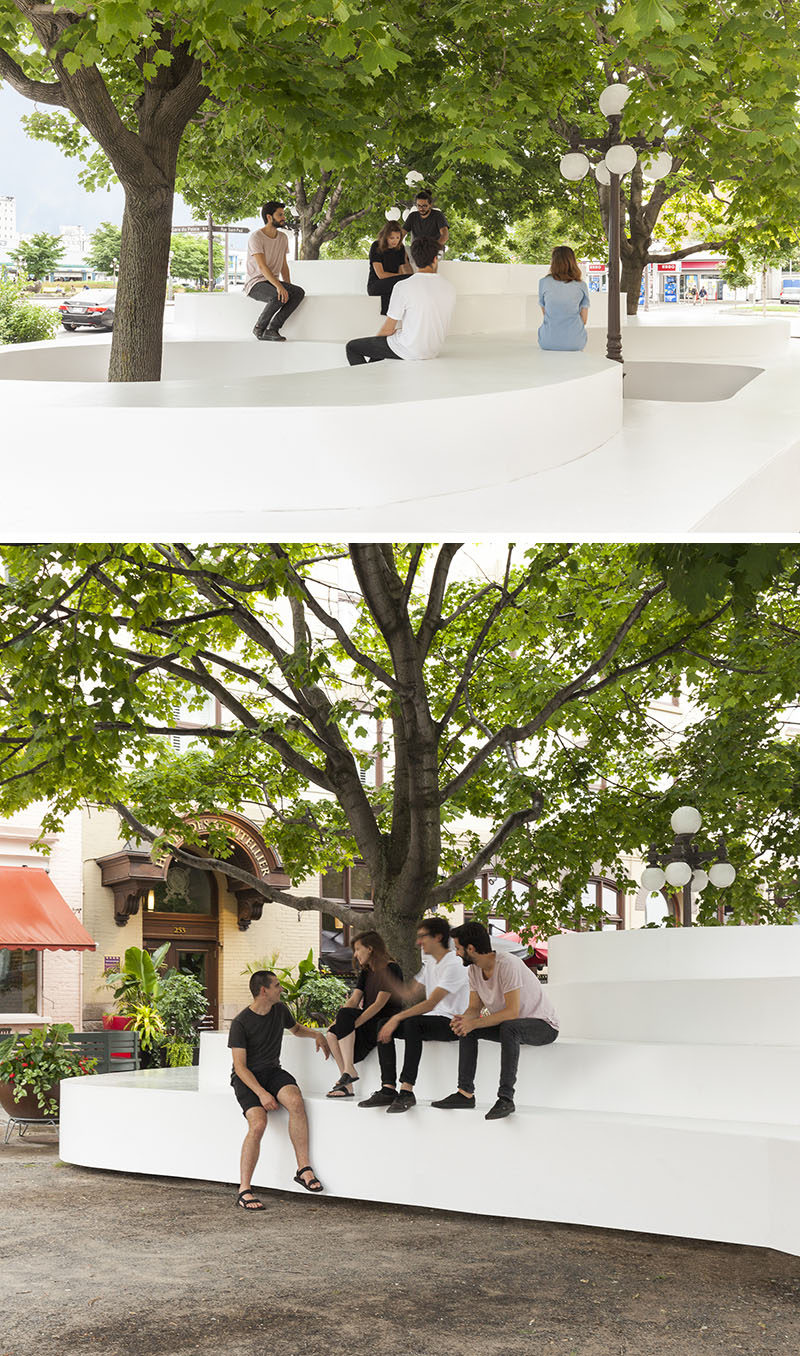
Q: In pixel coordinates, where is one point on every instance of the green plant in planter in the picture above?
(148, 1024)
(36, 1063)
(137, 981)
(310, 992)
(181, 1004)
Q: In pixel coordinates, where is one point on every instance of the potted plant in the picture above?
(162, 1009)
(32, 1066)
(312, 996)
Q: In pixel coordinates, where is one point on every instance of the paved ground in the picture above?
(98, 1262)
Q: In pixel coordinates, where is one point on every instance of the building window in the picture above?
(603, 894)
(351, 885)
(187, 889)
(353, 888)
(19, 982)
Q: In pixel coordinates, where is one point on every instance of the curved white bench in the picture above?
(680, 1135)
(492, 413)
(662, 334)
(331, 317)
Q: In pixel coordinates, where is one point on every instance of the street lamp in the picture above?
(618, 159)
(682, 866)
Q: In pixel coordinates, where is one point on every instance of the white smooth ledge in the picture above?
(672, 1172)
(492, 412)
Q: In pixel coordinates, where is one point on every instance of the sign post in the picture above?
(213, 230)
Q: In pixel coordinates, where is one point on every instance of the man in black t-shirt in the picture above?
(261, 1084)
(426, 222)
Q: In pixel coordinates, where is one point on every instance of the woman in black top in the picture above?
(373, 1001)
(388, 264)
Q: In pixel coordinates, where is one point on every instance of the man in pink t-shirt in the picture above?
(507, 1004)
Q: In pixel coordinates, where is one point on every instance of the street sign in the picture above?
(231, 230)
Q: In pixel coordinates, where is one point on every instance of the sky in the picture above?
(45, 182)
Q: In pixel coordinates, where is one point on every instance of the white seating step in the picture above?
(734, 1182)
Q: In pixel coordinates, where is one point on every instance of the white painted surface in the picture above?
(658, 470)
(659, 334)
(550, 406)
(335, 318)
(687, 1116)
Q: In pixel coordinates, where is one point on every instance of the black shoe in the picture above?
(456, 1102)
(275, 335)
(402, 1102)
(383, 1097)
(502, 1107)
(257, 332)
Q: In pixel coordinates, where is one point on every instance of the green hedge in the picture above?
(23, 321)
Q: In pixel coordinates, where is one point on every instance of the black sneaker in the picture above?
(502, 1107)
(383, 1097)
(257, 332)
(456, 1102)
(402, 1102)
(275, 335)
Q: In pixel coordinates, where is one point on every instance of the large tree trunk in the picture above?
(310, 243)
(136, 348)
(631, 283)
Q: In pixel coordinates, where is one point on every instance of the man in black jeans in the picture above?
(422, 307)
(516, 1011)
(441, 994)
(267, 269)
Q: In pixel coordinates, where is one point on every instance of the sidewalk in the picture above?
(99, 1262)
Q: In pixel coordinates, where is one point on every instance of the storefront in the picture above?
(685, 279)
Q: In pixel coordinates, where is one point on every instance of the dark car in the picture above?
(95, 309)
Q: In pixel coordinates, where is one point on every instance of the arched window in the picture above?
(599, 893)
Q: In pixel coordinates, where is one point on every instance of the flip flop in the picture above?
(314, 1185)
(254, 1204)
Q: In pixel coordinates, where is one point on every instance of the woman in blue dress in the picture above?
(564, 299)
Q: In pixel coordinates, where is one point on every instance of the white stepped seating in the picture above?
(491, 299)
(678, 1134)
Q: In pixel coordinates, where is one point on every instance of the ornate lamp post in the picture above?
(683, 864)
(618, 159)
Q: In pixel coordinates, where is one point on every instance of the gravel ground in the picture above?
(100, 1262)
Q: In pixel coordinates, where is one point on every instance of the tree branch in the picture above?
(445, 891)
(302, 903)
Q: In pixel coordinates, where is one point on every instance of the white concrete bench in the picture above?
(678, 1134)
(334, 318)
(492, 413)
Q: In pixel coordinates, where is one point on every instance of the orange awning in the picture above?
(34, 916)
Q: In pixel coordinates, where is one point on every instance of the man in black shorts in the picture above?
(261, 1084)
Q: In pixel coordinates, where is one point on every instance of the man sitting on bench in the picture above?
(422, 307)
(261, 1084)
(441, 994)
(518, 1012)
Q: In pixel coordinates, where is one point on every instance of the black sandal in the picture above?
(340, 1089)
(309, 1186)
(253, 1205)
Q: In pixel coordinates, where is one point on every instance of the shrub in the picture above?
(37, 1062)
(23, 321)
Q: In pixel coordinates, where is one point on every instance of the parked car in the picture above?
(790, 291)
(95, 309)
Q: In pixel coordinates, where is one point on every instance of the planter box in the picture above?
(27, 1108)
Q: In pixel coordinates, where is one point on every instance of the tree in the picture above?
(719, 83)
(133, 76)
(38, 255)
(105, 248)
(510, 705)
(190, 258)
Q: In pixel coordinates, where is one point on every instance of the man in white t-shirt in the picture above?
(422, 309)
(267, 277)
(439, 996)
(507, 1004)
